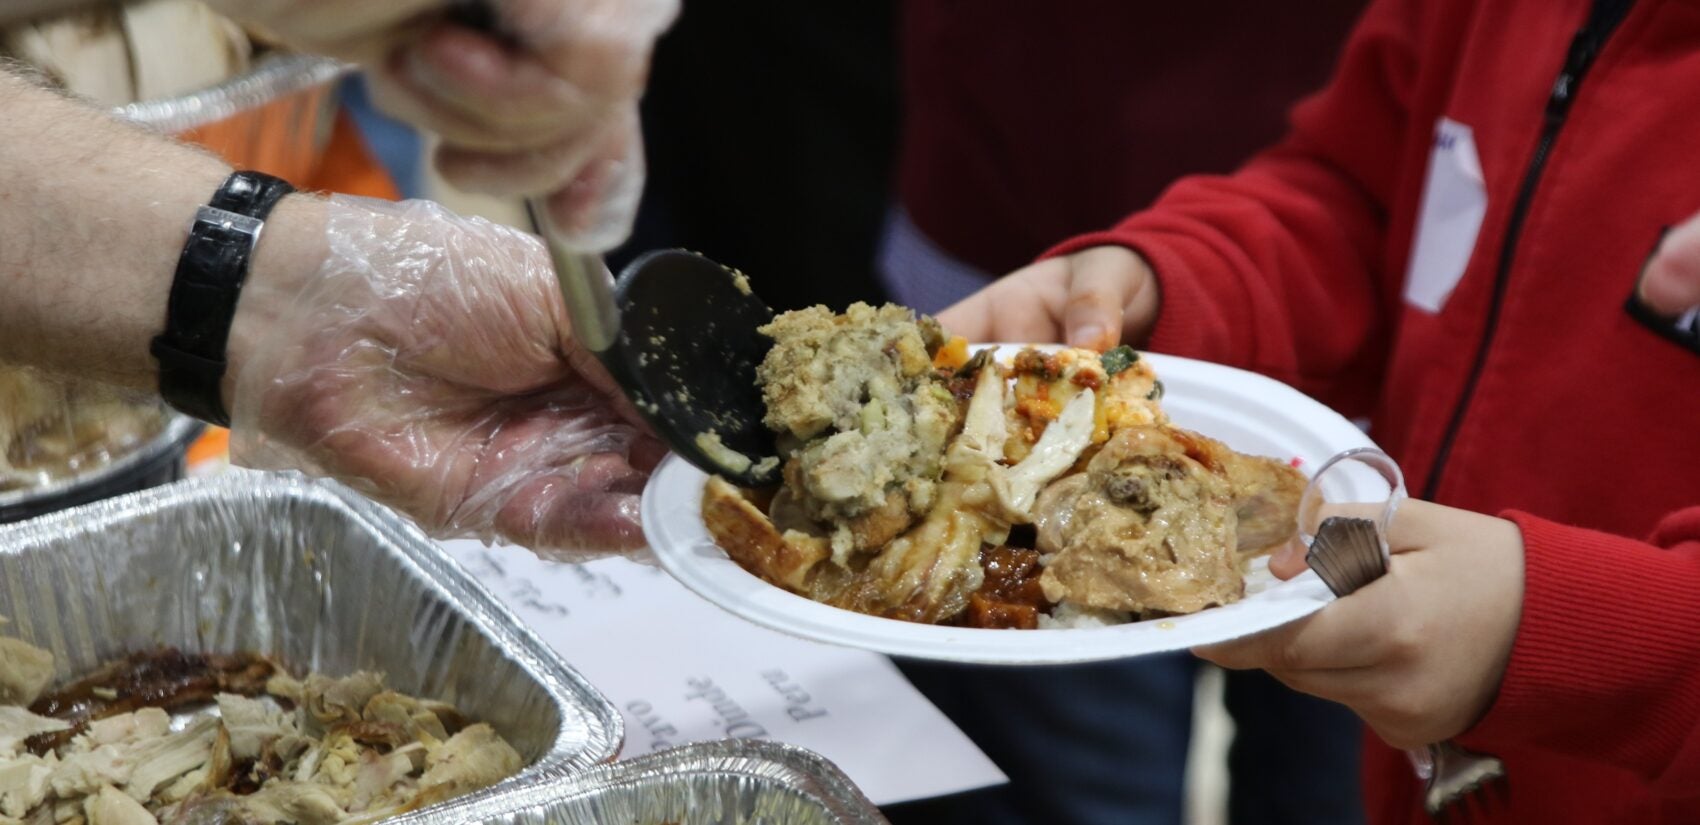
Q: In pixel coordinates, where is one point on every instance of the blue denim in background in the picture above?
(1107, 743)
(395, 145)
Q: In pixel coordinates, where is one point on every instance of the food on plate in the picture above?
(168, 736)
(1154, 524)
(52, 429)
(861, 417)
(925, 484)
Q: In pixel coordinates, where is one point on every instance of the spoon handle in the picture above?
(586, 284)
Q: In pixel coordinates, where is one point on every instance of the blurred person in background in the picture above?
(420, 357)
(1490, 246)
(1024, 124)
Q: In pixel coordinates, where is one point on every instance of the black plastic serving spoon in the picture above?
(678, 334)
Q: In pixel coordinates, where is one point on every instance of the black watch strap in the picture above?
(204, 291)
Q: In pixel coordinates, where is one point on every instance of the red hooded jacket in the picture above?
(1501, 366)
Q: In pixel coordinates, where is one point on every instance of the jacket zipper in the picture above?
(1584, 47)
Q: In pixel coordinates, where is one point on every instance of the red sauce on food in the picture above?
(1010, 597)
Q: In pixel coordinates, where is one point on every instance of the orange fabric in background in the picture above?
(282, 138)
(210, 450)
(347, 166)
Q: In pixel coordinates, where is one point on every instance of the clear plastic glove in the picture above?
(545, 105)
(426, 360)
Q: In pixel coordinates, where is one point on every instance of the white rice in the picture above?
(1071, 616)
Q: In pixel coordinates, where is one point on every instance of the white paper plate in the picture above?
(1249, 412)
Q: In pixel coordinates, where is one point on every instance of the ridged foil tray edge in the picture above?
(562, 681)
(573, 696)
(773, 764)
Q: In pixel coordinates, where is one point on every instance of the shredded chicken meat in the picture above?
(258, 746)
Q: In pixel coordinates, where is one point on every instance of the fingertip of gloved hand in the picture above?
(506, 172)
(606, 520)
(453, 56)
(595, 208)
(477, 72)
(585, 213)
(562, 522)
(603, 55)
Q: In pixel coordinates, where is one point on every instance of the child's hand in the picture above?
(1419, 653)
(1095, 298)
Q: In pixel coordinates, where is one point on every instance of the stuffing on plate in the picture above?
(922, 484)
(165, 736)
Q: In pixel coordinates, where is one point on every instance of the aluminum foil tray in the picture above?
(730, 782)
(311, 574)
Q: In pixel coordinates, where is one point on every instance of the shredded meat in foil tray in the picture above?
(925, 485)
(53, 429)
(249, 744)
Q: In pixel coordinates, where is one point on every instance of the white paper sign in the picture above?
(1454, 201)
(683, 670)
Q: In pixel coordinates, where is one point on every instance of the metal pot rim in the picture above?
(178, 430)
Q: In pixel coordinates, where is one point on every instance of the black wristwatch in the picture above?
(210, 273)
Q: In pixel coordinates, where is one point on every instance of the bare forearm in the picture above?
(93, 214)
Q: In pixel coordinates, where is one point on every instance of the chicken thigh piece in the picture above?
(1266, 501)
(1149, 528)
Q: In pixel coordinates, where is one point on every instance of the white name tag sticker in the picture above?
(1454, 201)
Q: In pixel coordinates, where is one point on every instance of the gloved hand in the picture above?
(426, 360)
(548, 106)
